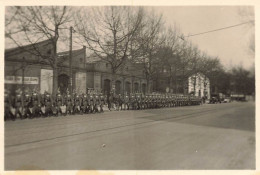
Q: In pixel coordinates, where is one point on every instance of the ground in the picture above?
(211, 136)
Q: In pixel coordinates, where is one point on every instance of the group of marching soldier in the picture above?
(33, 104)
(139, 101)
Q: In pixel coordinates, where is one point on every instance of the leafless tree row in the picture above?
(116, 35)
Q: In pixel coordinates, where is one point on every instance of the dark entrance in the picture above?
(127, 87)
(136, 87)
(107, 86)
(63, 83)
(143, 88)
(118, 87)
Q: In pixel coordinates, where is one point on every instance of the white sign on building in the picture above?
(19, 80)
(46, 80)
(81, 82)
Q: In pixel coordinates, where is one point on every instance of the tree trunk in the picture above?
(55, 80)
(113, 82)
(148, 85)
(55, 66)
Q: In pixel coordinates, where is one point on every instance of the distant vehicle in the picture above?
(214, 100)
(238, 97)
(227, 100)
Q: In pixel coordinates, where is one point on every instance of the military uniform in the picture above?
(69, 103)
(102, 102)
(96, 103)
(127, 102)
(91, 103)
(47, 104)
(85, 104)
(35, 104)
(8, 106)
(18, 104)
(27, 105)
(59, 103)
(77, 103)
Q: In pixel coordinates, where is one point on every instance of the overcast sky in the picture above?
(230, 45)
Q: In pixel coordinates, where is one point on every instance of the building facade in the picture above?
(199, 85)
(29, 68)
(128, 79)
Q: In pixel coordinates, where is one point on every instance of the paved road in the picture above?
(219, 136)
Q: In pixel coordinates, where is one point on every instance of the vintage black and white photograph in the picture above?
(129, 88)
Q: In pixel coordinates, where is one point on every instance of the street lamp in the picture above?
(23, 69)
(70, 57)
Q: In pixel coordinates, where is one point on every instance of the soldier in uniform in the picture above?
(152, 101)
(116, 102)
(27, 104)
(102, 102)
(18, 104)
(120, 101)
(85, 104)
(59, 102)
(8, 106)
(91, 103)
(109, 101)
(131, 101)
(48, 104)
(35, 104)
(69, 103)
(138, 101)
(77, 103)
(127, 102)
(96, 103)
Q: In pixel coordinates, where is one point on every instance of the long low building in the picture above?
(30, 66)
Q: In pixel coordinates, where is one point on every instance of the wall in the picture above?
(202, 85)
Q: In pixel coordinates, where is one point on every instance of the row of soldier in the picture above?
(33, 104)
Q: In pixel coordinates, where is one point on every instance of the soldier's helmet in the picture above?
(7, 91)
(18, 91)
(58, 91)
(26, 90)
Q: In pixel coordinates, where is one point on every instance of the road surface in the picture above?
(211, 136)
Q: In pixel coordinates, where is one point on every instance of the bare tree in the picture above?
(247, 13)
(108, 32)
(31, 24)
(148, 42)
(168, 55)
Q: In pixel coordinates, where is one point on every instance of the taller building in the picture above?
(199, 85)
(30, 67)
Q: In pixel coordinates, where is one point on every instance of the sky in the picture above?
(230, 45)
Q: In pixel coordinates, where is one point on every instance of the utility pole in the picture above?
(70, 57)
(23, 68)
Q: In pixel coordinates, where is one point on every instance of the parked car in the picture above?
(214, 100)
(227, 100)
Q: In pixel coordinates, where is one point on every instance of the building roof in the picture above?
(74, 53)
(28, 47)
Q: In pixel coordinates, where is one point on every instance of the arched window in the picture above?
(136, 87)
(118, 87)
